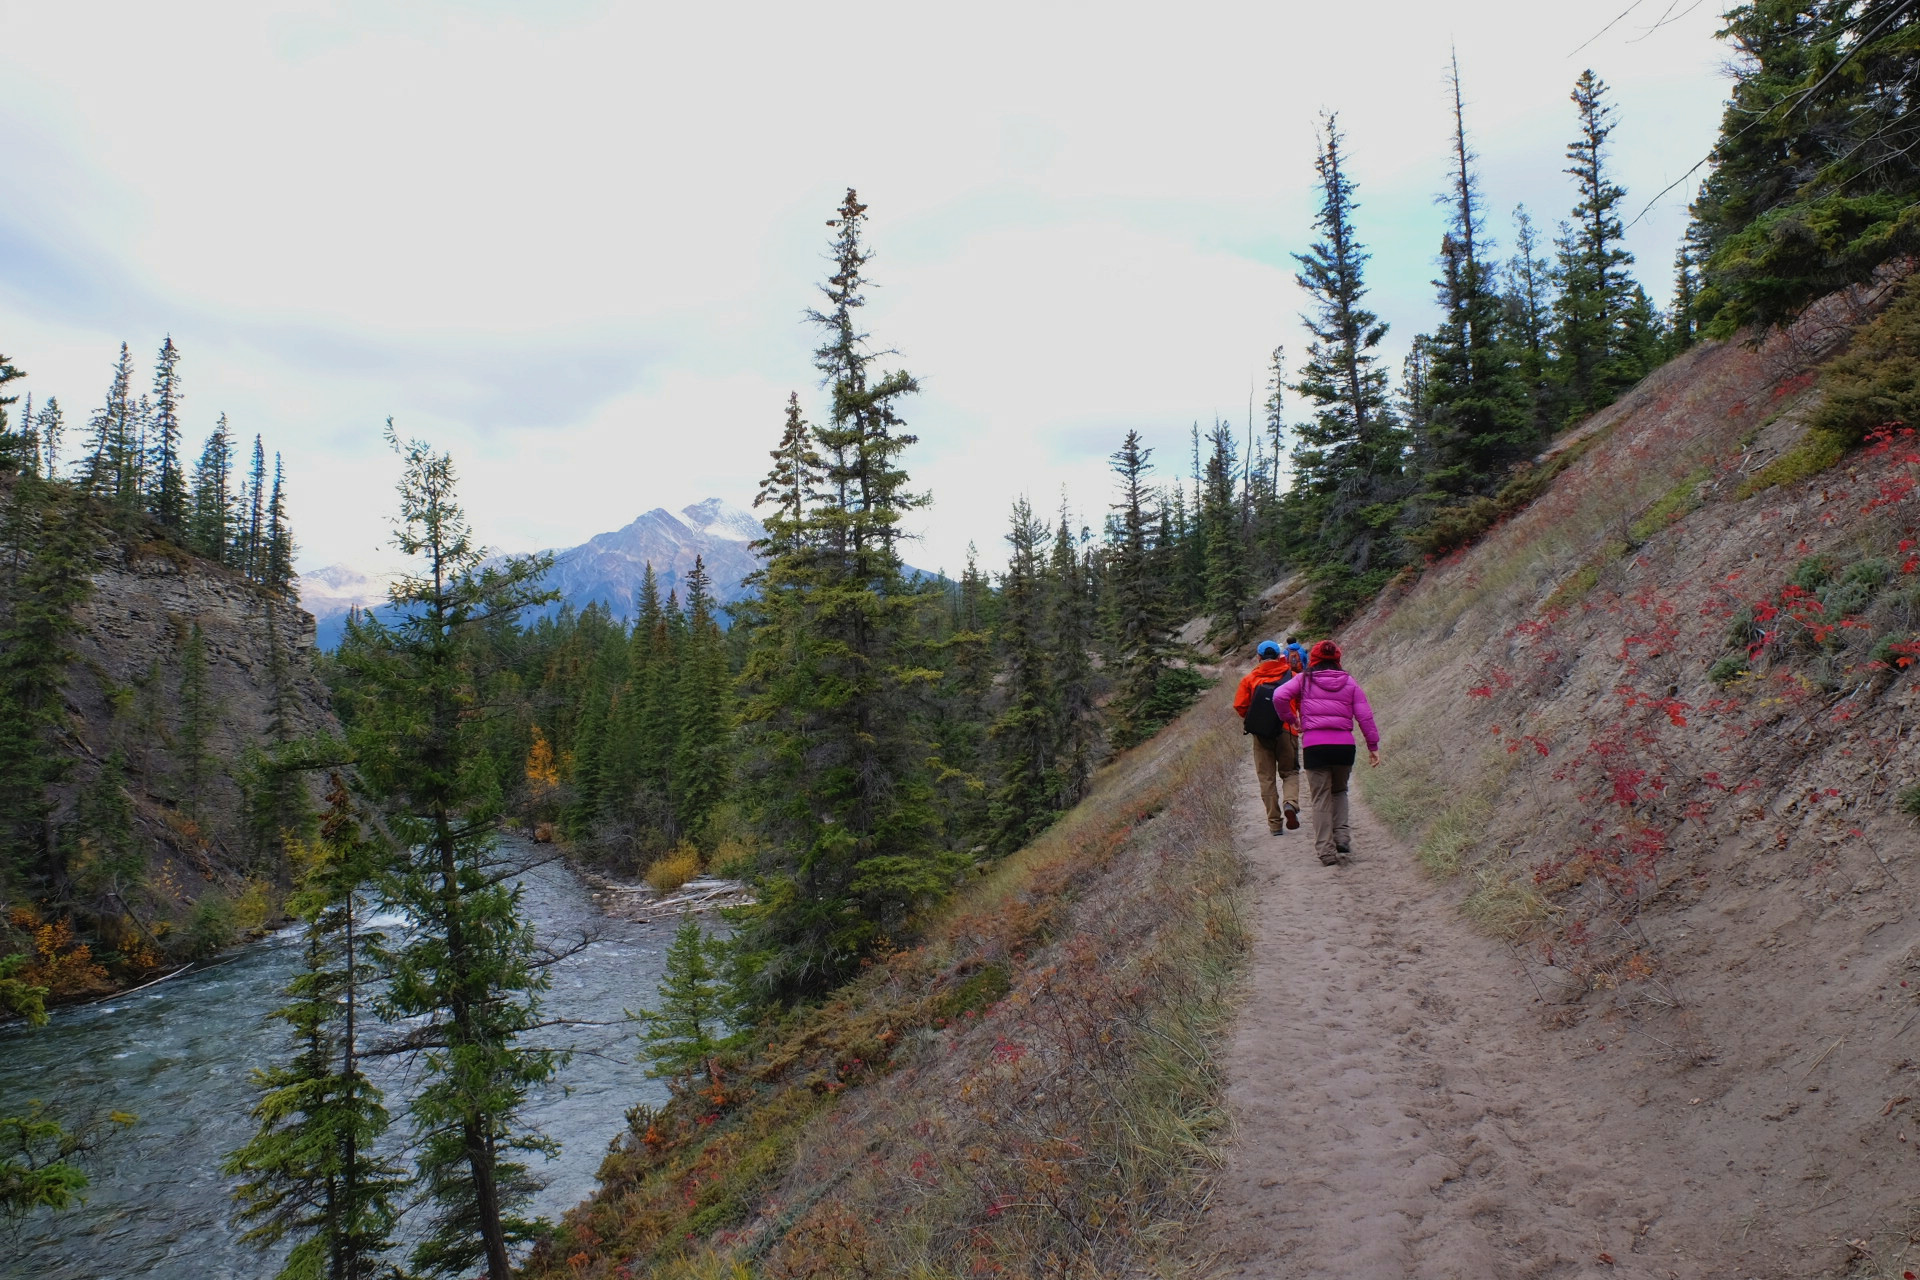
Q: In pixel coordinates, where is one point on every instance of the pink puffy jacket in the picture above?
(1331, 700)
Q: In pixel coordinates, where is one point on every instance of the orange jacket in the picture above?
(1278, 671)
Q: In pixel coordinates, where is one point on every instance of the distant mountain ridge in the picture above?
(606, 569)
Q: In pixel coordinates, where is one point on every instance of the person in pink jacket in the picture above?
(1330, 702)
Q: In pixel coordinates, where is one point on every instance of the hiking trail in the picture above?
(1402, 1109)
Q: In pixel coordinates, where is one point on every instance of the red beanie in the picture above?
(1324, 654)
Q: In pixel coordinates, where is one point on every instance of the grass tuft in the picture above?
(673, 870)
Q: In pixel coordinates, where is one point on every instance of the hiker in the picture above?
(1325, 702)
(1296, 654)
(1274, 745)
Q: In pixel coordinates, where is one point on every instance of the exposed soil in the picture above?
(1407, 1103)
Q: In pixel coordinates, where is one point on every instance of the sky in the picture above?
(573, 242)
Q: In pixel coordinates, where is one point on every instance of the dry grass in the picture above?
(1030, 1091)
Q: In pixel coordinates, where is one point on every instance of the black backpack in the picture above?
(1261, 720)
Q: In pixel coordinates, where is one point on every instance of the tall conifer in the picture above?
(167, 501)
(466, 971)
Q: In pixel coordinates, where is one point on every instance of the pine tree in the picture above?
(840, 782)
(311, 1170)
(466, 971)
(1139, 623)
(1347, 475)
(703, 705)
(276, 560)
(253, 546)
(210, 523)
(46, 545)
(17, 445)
(196, 717)
(1529, 320)
(1070, 673)
(1222, 532)
(688, 1027)
(1024, 731)
(51, 425)
(1600, 337)
(168, 499)
(1684, 328)
(1478, 417)
(110, 470)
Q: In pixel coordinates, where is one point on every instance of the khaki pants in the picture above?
(1328, 788)
(1277, 756)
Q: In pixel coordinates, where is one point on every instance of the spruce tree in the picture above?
(109, 471)
(51, 425)
(1070, 673)
(1024, 731)
(46, 547)
(1138, 623)
(210, 522)
(276, 559)
(253, 546)
(466, 972)
(167, 502)
(1600, 336)
(840, 781)
(1477, 414)
(312, 1170)
(17, 445)
(1347, 475)
(703, 706)
(196, 718)
(1222, 531)
(681, 1035)
(1529, 320)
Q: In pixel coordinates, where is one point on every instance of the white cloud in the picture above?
(572, 242)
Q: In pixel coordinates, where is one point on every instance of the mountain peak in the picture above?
(718, 518)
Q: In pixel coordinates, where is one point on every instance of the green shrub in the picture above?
(210, 927)
(1801, 251)
(1729, 668)
(1671, 506)
(1811, 574)
(1564, 596)
(1910, 801)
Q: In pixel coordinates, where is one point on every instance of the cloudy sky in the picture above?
(572, 241)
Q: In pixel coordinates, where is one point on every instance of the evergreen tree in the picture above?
(466, 971)
(1529, 319)
(1023, 733)
(47, 545)
(210, 523)
(703, 705)
(1138, 623)
(51, 426)
(311, 1170)
(1227, 575)
(17, 445)
(1601, 337)
(168, 500)
(1817, 167)
(1070, 674)
(276, 559)
(110, 471)
(681, 1036)
(252, 556)
(1347, 460)
(1684, 328)
(1479, 423)
(840, 786)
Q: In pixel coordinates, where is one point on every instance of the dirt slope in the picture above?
(1647, 745)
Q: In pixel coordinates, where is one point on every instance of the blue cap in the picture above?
(1267, 649)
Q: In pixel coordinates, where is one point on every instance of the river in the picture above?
(178, 1055)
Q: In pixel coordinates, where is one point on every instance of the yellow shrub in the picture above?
(674, 870)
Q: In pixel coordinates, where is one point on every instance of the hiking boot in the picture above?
(1329, 859)
(1343, 850)
(1293, 816)
(1276, 831)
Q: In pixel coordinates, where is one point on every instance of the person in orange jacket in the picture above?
(1275, 744)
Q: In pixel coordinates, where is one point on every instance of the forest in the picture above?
(854, 740)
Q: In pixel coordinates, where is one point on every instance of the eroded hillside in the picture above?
(1657, 724)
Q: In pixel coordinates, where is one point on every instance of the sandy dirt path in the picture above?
(1401, 1111)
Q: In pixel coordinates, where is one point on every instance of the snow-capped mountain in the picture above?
(606, 569)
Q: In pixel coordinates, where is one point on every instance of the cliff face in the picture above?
(164, 836)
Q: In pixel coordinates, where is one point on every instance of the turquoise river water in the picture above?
(178, 1055)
